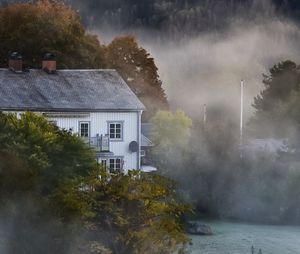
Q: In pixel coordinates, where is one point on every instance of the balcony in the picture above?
(100, 143)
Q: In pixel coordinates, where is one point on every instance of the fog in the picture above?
(207, 69)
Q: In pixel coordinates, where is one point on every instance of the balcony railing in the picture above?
(100, 143)
(92, 141)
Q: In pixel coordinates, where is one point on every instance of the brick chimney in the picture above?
(49, 63)
(15, 62)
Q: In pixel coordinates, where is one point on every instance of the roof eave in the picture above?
(71, 110)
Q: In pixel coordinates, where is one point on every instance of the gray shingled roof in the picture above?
(146, 134)
(146, 142)
(67, 90)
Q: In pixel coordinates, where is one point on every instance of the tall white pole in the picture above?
(242, 109)
(242, 119)
(204, 114)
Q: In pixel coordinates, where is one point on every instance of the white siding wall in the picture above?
(99, 125)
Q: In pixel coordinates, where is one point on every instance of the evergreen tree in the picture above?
(283, 79)
(275, 106)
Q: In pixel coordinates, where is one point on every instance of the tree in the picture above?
(283, 79)
(53, 191)
(171, 136)
(275, 106)
(139, 71)
(35, 159)
(47, 26)
(134, 213)
(32, 148)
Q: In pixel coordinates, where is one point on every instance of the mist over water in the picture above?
(237, 238)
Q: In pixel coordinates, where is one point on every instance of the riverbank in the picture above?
(237, 238)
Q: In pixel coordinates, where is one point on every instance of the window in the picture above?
(84, 129)
(115, 164)
(115, 130)
(103, 163)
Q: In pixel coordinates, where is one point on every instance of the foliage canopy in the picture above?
(171, 133)
(52, 190)
(31, 150)
(47, 26)
(276, 106)
(140, 72)
(138, 211)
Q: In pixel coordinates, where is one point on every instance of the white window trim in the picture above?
(122, 131)
(143, 153)
(89, 130)
(121, 158)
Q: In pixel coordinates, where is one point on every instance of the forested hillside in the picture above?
(177, 18)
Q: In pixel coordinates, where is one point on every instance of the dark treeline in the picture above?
(179, 18)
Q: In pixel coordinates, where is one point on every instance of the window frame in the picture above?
(89, 129)
(103, 162)
(115, 169)
(143, 153)
(121, 131)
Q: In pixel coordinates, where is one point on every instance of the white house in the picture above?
(96, 104)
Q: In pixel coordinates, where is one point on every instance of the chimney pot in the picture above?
(49, 63)
(15, 62)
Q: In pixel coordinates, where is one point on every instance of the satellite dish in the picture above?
(133, 146)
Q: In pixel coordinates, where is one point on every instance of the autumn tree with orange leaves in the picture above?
(51, 26)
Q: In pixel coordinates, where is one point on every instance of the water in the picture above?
(237, 238)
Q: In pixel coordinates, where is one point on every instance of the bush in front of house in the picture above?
(56, 199)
